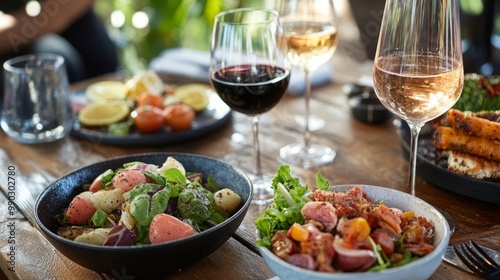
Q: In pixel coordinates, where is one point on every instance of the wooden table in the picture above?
(368, 154)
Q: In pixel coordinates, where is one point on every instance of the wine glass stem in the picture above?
(414, 131)
(307, 133)
(256, 145)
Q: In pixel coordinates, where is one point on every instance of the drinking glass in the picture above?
(249, 71)
(418, 68)
(36, 105)
(311, 36)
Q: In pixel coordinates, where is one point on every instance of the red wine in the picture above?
(250, 89)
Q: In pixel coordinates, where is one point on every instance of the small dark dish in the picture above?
(366, 107)
(150, 260)
(214, 117)
(433, 171)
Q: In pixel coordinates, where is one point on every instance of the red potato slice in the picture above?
(81, 209)
(165, 228)
(127, 179)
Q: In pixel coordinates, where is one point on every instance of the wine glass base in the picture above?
(262, 190)
(315, 122)
(298, 154)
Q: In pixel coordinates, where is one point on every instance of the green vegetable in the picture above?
(147, 200)
(119, 129)
(475, 96)
(107, 178)
(99, 218)
(176, 181)
(289, 198)
(383, 261)
(155, 177)
(174, 175)
(197, 203)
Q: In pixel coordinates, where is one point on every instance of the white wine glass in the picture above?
(311, 35)
(418, 67)
(250, 73)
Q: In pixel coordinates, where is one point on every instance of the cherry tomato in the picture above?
(147, 118)
(151, 99)
(179, 116)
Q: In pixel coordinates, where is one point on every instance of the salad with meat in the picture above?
(331, 231)
(141, 203)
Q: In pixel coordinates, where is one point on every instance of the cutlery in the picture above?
(452, 257)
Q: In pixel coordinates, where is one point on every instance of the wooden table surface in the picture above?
(366, 154)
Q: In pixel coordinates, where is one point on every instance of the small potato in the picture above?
(172, 163)
(227, 200)
(107, 200)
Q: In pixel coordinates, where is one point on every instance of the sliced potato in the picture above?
(227, 200)
(95, 237)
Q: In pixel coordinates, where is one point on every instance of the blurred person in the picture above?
(69, 28)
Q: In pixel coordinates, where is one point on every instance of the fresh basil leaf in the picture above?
(147, 200)
(174, 175)
(211, 184)
(157, 178)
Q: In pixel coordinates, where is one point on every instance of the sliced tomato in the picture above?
(179, 116)
(147, 118)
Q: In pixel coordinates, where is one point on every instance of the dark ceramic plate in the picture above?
(150, 260)
(430, 170)
(214, 117)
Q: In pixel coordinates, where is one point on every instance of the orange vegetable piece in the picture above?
(299, 233)
(360, 228)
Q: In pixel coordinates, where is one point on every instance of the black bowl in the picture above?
(148, 260)
(366, 107)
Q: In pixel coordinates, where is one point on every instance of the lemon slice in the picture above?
(103, 113)
(194, 95)
(106, 90)
(146, 81)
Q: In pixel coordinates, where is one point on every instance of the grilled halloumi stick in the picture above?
(474, 123)
(447, 138)
(472, 166)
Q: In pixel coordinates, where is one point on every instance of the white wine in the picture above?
(417, 88)
(310, 44)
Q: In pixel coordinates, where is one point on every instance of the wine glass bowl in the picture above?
(311, 36)
(418, 69)
(250, 73)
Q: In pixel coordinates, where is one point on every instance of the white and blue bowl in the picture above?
(422, 268)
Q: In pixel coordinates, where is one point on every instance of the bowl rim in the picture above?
(437, 252)
(147, 247)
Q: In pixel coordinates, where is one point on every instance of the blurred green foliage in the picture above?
(172, 23)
